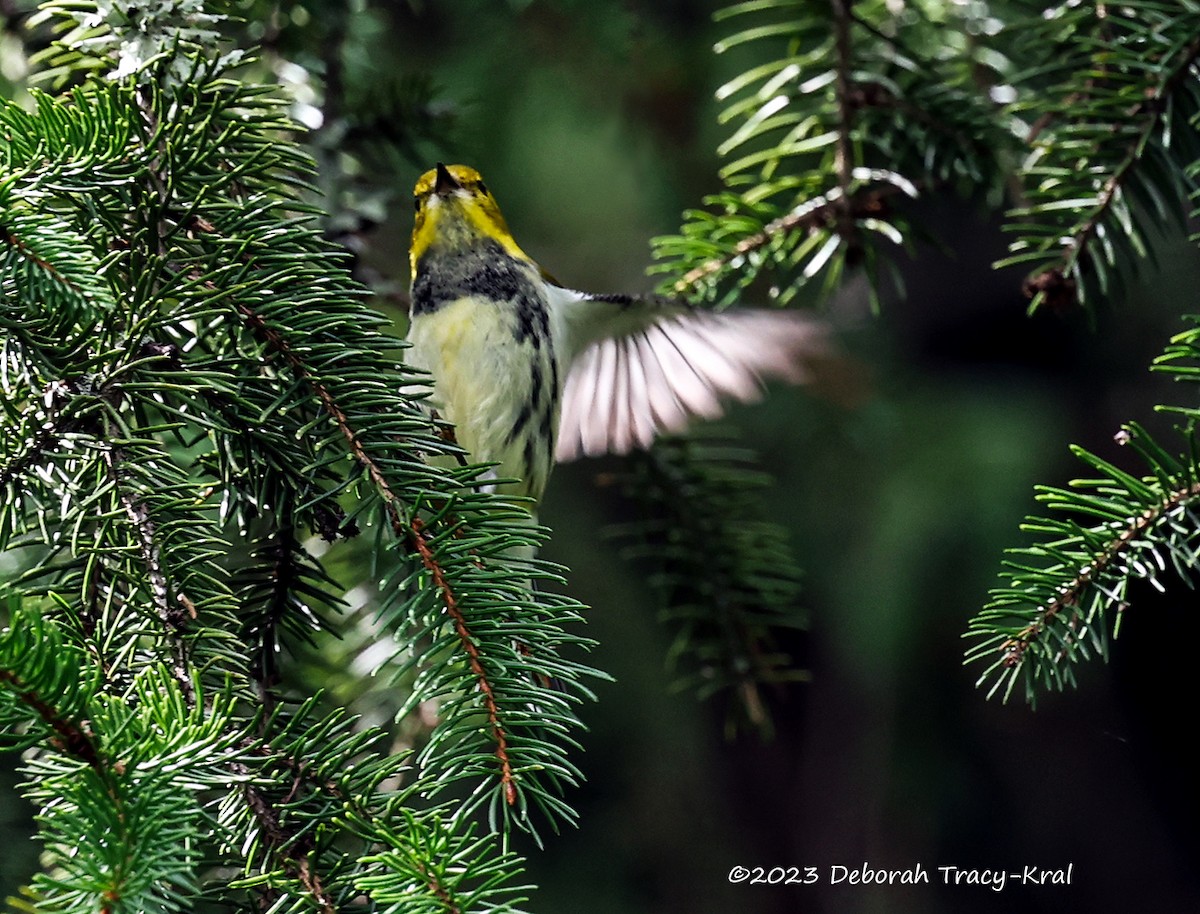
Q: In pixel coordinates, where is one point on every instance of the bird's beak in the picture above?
(445, 182)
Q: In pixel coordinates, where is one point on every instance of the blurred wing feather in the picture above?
(638, 367)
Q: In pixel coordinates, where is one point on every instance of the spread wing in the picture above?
(642, 366)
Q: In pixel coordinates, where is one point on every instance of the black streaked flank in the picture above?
(535, 382)
(523, 418)
(533, 321)
(541, 404)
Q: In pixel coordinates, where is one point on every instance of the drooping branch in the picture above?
(284, 577)
(499, 737)
(407, 528)
(1056, 281)
(1151, 111)
(732, 607)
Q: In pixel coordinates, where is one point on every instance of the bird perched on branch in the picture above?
(530, 372)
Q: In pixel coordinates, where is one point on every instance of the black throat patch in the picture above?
(485, 270)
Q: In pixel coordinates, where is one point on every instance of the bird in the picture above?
(530, 372)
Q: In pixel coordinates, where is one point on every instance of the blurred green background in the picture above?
(594, 125)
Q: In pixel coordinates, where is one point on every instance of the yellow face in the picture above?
(454, 209)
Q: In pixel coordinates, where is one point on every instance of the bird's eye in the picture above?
(417, 204)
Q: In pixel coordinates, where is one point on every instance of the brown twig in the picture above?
(468, 644)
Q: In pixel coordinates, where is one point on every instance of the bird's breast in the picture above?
(480, 327)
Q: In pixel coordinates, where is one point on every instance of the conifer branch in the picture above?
(284, 576)
(145, 532)
(39, 261)
(117, 791)
(728, 607)
(280, 344)
(1099, 182)
(1051, 609)
(1070, 594)
(843, 161)
(838, 117)
(226, 388)
(828, 210)
(53, 425)
(412, 530)
(70, 736)
(1151, 113)
(286, 845)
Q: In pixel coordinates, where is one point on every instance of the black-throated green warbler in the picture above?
(529, 371)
